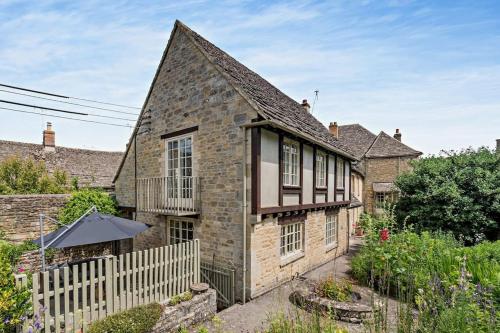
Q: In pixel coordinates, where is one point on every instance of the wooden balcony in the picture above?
(169, 195)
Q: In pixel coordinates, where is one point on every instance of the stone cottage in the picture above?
(381, 158)
(93, 168)
(222, 155)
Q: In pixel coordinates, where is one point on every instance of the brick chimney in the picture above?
(334, 129)
(49, 138)
(306, 105)
(397, 135)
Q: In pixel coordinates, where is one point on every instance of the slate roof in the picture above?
(271, 103)
(92, 167)
(366, 144)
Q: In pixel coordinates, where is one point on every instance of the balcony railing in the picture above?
(169, 195)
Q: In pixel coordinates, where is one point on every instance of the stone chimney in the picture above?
(397, 135)
(306, 105)
(334, 129)
(498, 146)
(49, 138)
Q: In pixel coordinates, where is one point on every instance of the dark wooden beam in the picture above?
(280, 181)
(273, 210)
(256, 156)
(314, 174)
(179, 132)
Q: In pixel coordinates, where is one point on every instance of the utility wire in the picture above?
(66, 102)
(68, 97)
(64, 111)
(83, 120)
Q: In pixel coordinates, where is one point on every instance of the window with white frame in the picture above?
(321, 169)
(290, 163)
(340, 172)
(383, 199)
(331, 229)
(291, 239)
(180, 231)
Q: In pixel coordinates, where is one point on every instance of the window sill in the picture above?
(332, 246)
(291, 258)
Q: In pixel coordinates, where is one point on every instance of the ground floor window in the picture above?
(384, 198)
(291, 238)
(180, 231)
(332, 227)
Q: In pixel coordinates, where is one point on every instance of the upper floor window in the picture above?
(340, 172)
(291, 157)
(321, 169)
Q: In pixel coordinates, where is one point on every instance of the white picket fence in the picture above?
(69, 299)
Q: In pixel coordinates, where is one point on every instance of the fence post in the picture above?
(21, 282)
(109, 287)
(197, 270)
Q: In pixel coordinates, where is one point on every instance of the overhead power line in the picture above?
(69, 118)
(63, 111)
(68, 97)
(66, 102)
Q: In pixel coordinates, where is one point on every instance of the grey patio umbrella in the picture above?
(91, 229)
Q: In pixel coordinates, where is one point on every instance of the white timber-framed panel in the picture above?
(331, 178)
(269, 163)
(307, 185)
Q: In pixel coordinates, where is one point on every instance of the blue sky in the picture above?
(430, 68)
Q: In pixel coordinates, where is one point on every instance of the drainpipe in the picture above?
(244, 209)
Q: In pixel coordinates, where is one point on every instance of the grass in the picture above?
(140, 319)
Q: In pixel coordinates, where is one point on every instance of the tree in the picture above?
(457, 192)
(26, 176)
(83, 200)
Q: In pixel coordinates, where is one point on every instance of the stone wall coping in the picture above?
(28, 196)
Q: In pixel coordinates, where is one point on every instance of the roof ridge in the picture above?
(59, 147)
(373, 142)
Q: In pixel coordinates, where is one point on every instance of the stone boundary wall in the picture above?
(31, 261)
(199, 309)
(19, 214)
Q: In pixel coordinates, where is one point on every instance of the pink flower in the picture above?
(21, 270)
(384, 234)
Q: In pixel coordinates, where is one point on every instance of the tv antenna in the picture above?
(316, 92)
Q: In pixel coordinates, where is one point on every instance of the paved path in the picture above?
(253, 316)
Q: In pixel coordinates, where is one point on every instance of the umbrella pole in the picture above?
(42, 244)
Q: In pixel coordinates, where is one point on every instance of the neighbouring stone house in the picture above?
(19, 214)
(222, 155)
(381, 158)
(93, 168)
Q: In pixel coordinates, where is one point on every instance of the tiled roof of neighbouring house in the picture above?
(92, 167)
(271, 103)
(364, 143)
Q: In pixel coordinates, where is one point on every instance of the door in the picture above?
(179, 181)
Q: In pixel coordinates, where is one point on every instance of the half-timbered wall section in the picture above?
(292, 174)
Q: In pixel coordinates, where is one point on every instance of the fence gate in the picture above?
(221, 279)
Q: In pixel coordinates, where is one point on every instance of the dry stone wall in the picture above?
(19, 214)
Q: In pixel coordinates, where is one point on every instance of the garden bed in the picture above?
(349, 310)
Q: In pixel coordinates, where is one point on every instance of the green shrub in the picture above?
(184, 297)
(26, 176)
(337, 290)
(433, 271)
(14, 302)
(458, 193)
(302, 322)
(140, 319)
(83, 200)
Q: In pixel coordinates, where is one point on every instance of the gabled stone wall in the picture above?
(189, 91)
